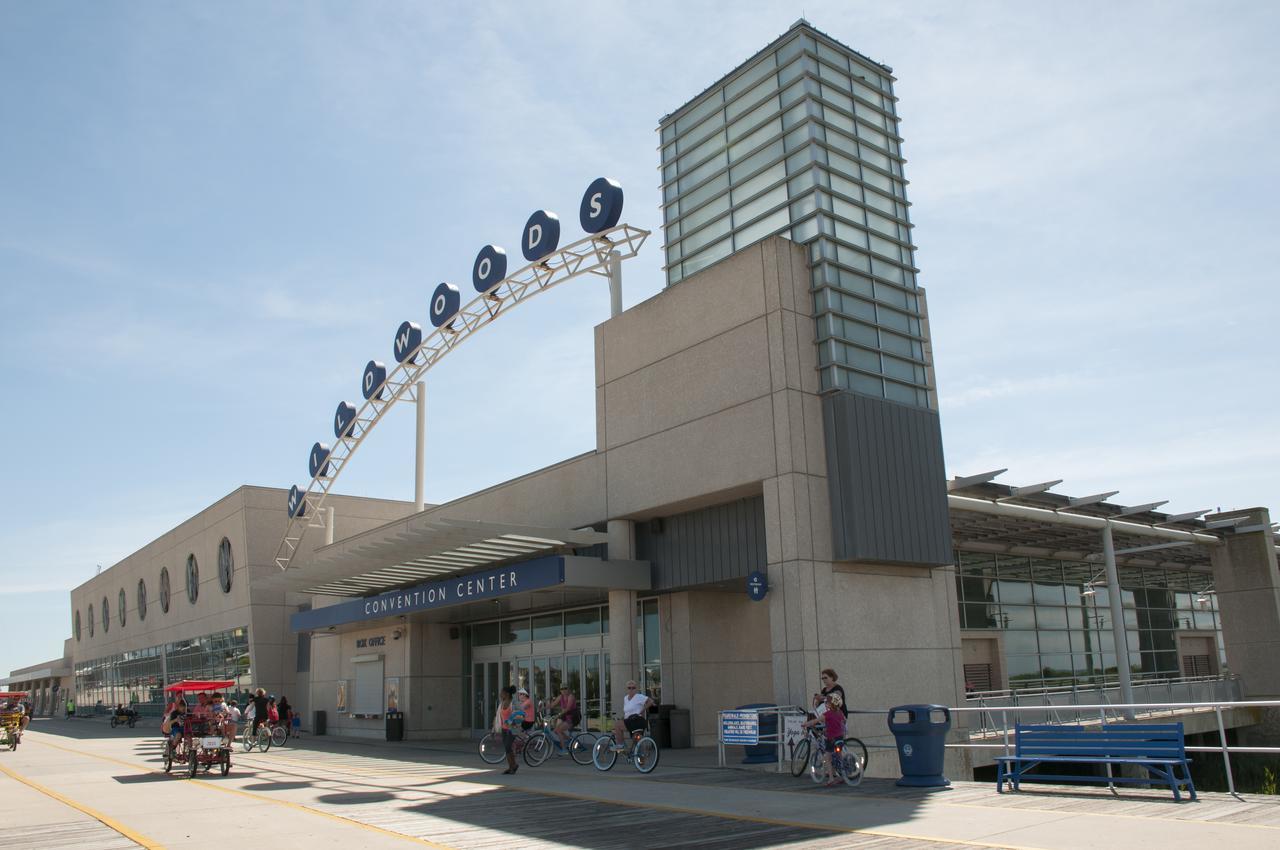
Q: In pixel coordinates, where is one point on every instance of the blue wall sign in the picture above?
(318, 462)
(344, 420)
(490, 268)
(537, 574)
(375, 375)
(445, 302)
(541, 235)
(757, 586)
(408, 338)
(601, 205)
(740, 727)
(297, 501)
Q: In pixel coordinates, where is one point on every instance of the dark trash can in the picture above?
(921, 734)
(681, 732)
(395, 726)
(762, 753)
(319, 723)
(660, 726)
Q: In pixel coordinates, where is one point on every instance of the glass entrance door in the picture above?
(585, 673)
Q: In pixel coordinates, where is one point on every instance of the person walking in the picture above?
(507, 719)
(71, 708)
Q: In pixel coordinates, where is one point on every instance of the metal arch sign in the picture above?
(452, 321)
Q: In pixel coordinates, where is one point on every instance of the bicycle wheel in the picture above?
(278, 734)
(113, 721)
(491, 749)
(817, 770)
(193, 763)
(800, 758)
(645, 755)
(264, 738)
(580, 747)
(853, 761)
(603, 754)
(537, 749)
(248, 740)
(168, 757)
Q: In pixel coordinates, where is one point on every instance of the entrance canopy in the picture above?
(421, 547)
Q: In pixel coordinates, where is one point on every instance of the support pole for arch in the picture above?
(420, 449)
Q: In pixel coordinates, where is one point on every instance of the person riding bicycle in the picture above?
(174, 721)
(529, 713)
(259, 709)
(569, 716)
(222, 719)
(635, 706)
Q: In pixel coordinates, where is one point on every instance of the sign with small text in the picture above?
(740, 728)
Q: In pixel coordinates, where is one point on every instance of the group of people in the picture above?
(831, 714)
(224, 717)
(20, 708)
(517, 712)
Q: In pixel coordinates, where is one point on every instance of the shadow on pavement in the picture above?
(274, 786)
(356, 798)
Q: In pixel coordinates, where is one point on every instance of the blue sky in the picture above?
(212, 215)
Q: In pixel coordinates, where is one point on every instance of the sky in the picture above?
(212, 215)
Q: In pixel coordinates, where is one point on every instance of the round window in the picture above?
(77, 624)
(106, 616)
(90, 621)
(164, 589)
(120, 606)
(226, 565)
(142, 599)
(193, 579)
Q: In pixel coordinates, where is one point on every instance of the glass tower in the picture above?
(802, 140)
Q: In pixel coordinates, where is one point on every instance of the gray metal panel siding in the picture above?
(887, 481)
(704, 546)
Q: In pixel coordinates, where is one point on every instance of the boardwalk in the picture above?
(329, 793)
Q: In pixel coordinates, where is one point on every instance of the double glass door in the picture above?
(585, 673)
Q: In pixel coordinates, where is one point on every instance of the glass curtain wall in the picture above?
(803, 141)
(1057, 632)
(138, 677)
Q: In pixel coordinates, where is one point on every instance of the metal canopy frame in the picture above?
(598, 254)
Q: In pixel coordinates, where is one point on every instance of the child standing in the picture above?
(833, 731)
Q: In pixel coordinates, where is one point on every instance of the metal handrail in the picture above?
(761, 740)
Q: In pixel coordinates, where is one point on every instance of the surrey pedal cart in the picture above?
(201, 743)
(11, 718)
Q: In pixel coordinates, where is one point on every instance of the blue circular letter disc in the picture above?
(444, 304)
(344, 420)
(297, 502)
(541, 235)
(408, 338)
(375, 375)
(490, 268)
(601, 205)
(318, 462)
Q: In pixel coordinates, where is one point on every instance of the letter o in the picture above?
(444, 304)
(601, 205)
(541, 235)
(489, 269)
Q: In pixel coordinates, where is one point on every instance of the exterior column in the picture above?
(1248, 589)
(1117, 620)
(623, 655)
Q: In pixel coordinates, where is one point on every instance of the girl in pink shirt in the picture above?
(833, 730)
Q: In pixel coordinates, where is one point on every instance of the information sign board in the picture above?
(740, 727)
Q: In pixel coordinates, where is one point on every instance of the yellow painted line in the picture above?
(110, 823)
(238, 792)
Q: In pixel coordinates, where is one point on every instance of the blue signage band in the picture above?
(537, 574)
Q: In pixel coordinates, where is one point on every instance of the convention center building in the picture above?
(767, 497)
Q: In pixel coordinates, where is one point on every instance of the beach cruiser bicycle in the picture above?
(849, 761)
(641, 750)
(542, 743)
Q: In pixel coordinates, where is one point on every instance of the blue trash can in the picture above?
(921, 733)
(762, 753)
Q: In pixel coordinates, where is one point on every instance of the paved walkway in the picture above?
(330, 793)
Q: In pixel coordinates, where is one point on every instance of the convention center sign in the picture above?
(537, 574)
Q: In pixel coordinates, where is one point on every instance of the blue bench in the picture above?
(1158, 747)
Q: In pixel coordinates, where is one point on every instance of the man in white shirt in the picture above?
(635, 705)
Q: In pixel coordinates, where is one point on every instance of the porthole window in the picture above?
(142, 599)
(164, 589)
(120, 606)
(90, 620)
(106, 616)
(226, 565)
(193, 579)
(77, 625)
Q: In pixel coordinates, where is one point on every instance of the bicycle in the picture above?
(492, 751)
(260, 737)
(642, 753)
(543, 742)
(849, 761)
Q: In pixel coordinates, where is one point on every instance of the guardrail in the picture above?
(1062, 702)
(1135, 709)
(780, 712)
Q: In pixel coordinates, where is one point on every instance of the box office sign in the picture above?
(536, 574)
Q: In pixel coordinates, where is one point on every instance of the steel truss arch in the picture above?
(590, 255)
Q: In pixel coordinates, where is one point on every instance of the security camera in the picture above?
(395, 635)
